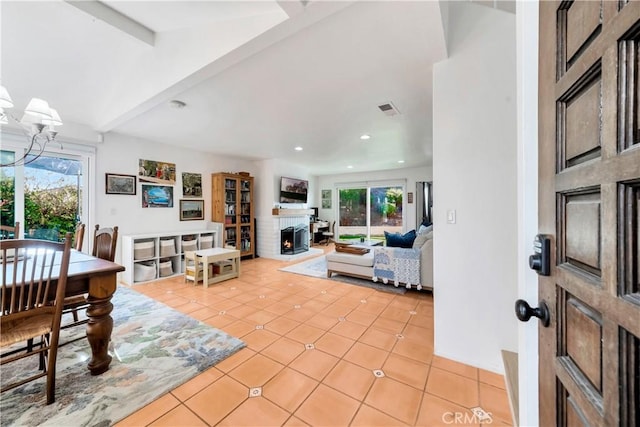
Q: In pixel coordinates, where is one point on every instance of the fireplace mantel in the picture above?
(291, 212)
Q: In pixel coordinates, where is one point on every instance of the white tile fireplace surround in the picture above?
(268, 229)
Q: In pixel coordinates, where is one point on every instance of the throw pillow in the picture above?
(425, 229)
(400, 240)
(421, 239)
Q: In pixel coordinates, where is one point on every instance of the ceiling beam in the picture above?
(292, 8)
(116, 19)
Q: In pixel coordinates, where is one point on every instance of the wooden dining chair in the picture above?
(34, 279)
(104, 246)
(104, 242)
(9, 232)
(78, 238)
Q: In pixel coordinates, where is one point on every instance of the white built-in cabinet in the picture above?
(148, 257)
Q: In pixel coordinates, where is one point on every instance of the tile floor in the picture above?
(319, 353)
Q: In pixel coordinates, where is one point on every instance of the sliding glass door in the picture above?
(369, 211)
(45, 195)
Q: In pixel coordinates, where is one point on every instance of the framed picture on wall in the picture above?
(157, 196)
(191, 210)
(157, 172)
(191, 184)
(120, 184)
(326, 199)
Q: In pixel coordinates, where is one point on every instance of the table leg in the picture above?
(205, 273)
(99, 330)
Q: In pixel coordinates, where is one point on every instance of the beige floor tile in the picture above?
(284, 350)
(407, 371)
(241, 311)
(418, 333)
(491, 378)
(261, 317)
(256, 411)
(289, 389)
(373, 307)
(218, 400)
(300, 314)
(278, 308)
(306, 334)
(455, 367)
(422, 351)
(151, 412)
(366, 356)
(384, 340)
(389, 325)
(395, 399)
(370, 417)
(327, 407)
(259, 339)
(399, 314)
(361, 317)
(453, 387)
(203, 313)
(437, 412)
(235, 360)
(281, 325)
(255, 372)
(337, 310)
(322, 321)
(295, 422)
(495, 401)
(314, 363)
(349, 329)
(239, 328)
(177, 417)
(350, 379)
(194, 385)
(334, 344)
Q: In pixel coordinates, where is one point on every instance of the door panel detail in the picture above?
(629, 379)
(629, 245)
(580, 120)
(580, 23)
(629, 88)
(579, 225)
(583, 340)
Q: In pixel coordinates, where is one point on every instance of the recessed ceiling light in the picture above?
(365, 137)
(400, 161)
(298, 148)
(349, 167)
(177, 104)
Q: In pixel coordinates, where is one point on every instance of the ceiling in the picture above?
(258, 78)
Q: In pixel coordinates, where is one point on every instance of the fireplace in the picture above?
(294, 240)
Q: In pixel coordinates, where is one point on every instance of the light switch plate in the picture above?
(451, 216)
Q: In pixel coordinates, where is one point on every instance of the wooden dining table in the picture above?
(97, 278)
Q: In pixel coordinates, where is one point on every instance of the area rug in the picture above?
(155, 349)
(317, 267)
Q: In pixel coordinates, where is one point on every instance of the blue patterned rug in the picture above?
(155, 349)
(317, 267)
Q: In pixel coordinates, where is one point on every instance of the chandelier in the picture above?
(38, 122)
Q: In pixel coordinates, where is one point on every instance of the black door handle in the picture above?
(524, 312)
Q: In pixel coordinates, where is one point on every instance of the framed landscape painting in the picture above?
(191, 184)
(191, 210)
(157, 196)
(120, 184)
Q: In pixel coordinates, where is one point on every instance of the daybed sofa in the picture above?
(407, 266)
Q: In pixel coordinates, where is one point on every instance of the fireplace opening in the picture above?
(294, 240)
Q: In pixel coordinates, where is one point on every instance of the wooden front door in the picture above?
(589, 203)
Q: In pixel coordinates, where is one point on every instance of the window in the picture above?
(370, 211)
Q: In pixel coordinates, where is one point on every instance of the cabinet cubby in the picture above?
(149, 257)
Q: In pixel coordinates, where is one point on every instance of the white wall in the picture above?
(120, 154)
(474, 173)
(527, 31)
(411, 175)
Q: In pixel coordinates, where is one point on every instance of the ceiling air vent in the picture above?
(389, 109)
